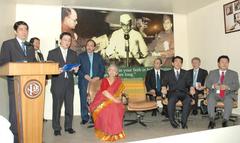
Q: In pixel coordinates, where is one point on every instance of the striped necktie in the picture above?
(158, 82)
(222, 92)
(23, 46)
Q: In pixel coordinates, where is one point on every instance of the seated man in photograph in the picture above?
(222, 84)
(126, 40)
(177, 86)
(198, 76)
(153, 81)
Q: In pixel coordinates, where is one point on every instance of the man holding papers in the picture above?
(62, 87)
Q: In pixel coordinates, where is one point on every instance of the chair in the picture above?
(219, 108)
(92, 89)
(137, 100)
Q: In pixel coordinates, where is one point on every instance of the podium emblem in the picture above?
(32, 89)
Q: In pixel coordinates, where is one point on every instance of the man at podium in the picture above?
(16, 50)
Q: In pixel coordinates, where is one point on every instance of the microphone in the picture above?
(56, 43)
(126, 37)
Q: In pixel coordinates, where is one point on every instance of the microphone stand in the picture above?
(126, 37)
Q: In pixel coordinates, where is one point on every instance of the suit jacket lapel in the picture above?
(191, 73)
(88, 61)
(173, 75)
(18, 47)
(61, 59)
(153, 77)
(217, 76)
(180, 75)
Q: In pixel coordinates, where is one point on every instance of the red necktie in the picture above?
(221, 94)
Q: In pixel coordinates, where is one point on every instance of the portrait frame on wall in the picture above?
(231, 13)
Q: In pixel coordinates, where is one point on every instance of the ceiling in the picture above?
(169, 6)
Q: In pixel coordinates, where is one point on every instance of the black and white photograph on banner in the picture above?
(128, 39)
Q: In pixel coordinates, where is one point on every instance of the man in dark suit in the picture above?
(177, 85)
(16, 50)
(92, 69)
(153, 82)
(36, 45)
(62, 87)
(198, 76)
(222, 84)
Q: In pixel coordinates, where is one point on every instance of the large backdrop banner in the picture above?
(131, 40)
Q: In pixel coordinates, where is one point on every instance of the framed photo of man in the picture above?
(231, 12)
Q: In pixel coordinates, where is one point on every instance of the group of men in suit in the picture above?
(62, 87)
(179, 84)
(176, 84)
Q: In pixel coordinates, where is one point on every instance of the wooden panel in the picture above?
(29, 111)
(29, 69)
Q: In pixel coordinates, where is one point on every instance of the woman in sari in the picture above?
(107, 109)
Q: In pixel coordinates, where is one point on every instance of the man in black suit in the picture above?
(62, 87)
(177, 85)
(36, 45)
(198, 76)
(92, 69)
(153, 82)
(16, 50)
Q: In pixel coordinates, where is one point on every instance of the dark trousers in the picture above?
(172, 100)
(12, 109)
(83, 99)
(64, 95)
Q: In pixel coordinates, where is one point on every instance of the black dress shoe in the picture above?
(57, 133)
(195, 112)
(184, 125)
(224, 123)
(154, 113)
(211, 125)
(70, 131)
(174, 124)
(83, 122)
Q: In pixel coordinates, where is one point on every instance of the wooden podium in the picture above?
(29, 85)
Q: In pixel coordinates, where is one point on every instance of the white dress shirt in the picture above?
(6, 135)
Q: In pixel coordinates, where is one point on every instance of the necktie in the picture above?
(194, 78)
(91, 64)
(222, 92)
(177, 75)
(158, 82)
(23, 46)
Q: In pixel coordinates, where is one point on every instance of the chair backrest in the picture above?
(135, 90)
(92, 89)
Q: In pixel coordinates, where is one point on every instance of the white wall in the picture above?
(207, 39)
(181, 38)
(7, 17)
(44, 22)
